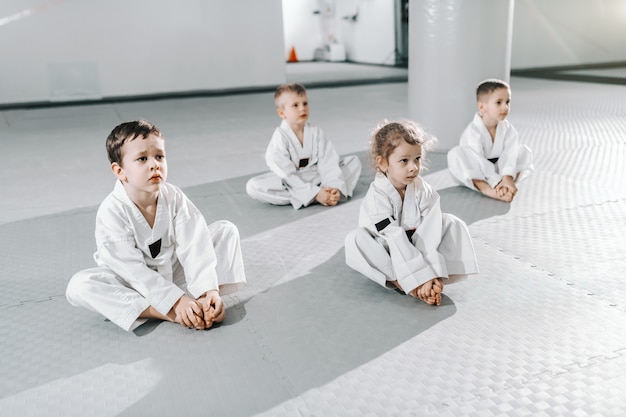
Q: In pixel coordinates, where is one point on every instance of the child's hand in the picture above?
(328, 196)
(506, 186)
(500, 192)
(188, 313)
(334, 196)
(212, 307)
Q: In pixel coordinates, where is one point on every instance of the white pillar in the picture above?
(453, 45)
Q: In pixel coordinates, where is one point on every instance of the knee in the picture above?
(75, 288)
(525, 155)
(350, 238)
(453, 154)
(230, 228)
(455, 160)
(251, 186)
(354, 245)
(224, 229)
(453, 223)
(450, 219)
(356, 164)
(358, 237)
(351, 160)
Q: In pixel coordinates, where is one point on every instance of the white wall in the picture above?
(302, 28)
(568, 32)
(88, 49)
(368, 39)
(311, 24)
(371, 38)
(545, 32)
(77, 49)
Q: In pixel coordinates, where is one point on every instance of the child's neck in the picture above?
(402, 192)
(149, 213)
(298, 130)
(492, 126)
(147, 205)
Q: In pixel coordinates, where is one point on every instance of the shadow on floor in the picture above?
(471, 206)
(307, 332)
(228, 200)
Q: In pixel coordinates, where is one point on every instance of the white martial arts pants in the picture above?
(269, 188)
(369, 256)
(101, 290)
(466, 165)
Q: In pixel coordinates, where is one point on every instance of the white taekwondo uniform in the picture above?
(478, 157)
(410, 241)
(298, 170)
(141, 266)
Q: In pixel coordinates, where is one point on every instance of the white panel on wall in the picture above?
(137, 47)
(365, 28)
(568, 32)
(368, 30)
(74, 81)
(302, 28)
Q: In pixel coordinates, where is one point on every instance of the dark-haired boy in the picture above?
(156, 256)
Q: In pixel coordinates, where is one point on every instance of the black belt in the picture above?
(493, 160)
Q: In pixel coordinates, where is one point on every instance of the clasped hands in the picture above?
(199, 314)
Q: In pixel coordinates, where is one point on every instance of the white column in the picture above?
(453, 45)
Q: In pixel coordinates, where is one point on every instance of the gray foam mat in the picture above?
(540, 331)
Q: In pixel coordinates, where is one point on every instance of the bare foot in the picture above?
(429, 292)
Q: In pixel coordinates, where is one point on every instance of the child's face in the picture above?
(143, 168)
(294, 108)
(403, 165)
(494, 107)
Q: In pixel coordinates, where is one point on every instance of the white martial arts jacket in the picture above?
(303, 167)
(145, 257)
(410, 230)
(505, 145)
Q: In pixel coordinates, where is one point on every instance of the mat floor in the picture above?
(539, 332)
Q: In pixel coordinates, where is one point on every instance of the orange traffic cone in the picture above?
(292, 55)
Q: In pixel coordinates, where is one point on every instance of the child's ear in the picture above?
(118, 171)
(280, 112)
(381, 163)
(481, 105)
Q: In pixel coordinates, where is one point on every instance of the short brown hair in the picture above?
(126, 132)
(296, 88)
(489, 86)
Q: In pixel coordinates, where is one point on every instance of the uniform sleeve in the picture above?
(279, 161)
(509, 153)
(410, 266)
(194, 248)
(118, 251)
(471, 138)
(328, 164)
(427, 236)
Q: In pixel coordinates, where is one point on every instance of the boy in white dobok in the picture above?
(489, 157)
(305, 168)
(156, 256)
